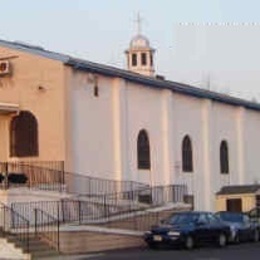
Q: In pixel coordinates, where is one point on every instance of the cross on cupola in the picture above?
(139, 21)
(140, 56)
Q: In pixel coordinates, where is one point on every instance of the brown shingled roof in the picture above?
(238, 189)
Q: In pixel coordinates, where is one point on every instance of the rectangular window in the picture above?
(143, 59)
(134, 59)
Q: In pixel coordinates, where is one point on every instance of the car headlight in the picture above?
(148, 232)
(173, 233)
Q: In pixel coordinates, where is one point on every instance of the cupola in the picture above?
(140, 55)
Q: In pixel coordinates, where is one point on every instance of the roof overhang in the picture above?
(8, 108)
(181, 88)
(252, 189)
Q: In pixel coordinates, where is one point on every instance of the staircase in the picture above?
(20, 241)
(89, 200)
(37, 248)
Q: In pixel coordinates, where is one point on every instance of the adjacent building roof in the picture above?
(147, 81)
(239, 189)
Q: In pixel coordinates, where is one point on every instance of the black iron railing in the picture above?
(70, 211)
(47, 228)
(32, 174)
(14, 226)
(52, 177)
(88, 185)
(156, 195)
(88, 209)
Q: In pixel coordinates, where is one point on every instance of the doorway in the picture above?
(234, 205)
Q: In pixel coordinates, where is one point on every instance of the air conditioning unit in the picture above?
(5, 67)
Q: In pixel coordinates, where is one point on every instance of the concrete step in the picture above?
(37, 247)
(33, 247)
(44, 254)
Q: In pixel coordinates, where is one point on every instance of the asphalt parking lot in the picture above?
(248, 251)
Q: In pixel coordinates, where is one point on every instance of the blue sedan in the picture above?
(242, 229)
(189, 229)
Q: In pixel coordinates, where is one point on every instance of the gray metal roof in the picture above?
(33, 49)
(85, 65)
(239, 189)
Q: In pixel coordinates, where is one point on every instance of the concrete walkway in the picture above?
(73, 257)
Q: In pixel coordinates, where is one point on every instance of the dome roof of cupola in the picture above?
(139, 41)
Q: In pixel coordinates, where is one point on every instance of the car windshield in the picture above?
(182, 219)
(231, 217)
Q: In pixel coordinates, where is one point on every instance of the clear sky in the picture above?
(100, 30)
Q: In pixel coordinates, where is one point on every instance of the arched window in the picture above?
(187, 162)
(224, 164)
(24, 135)
(143, 151)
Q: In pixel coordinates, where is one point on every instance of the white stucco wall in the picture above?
(92, 127)
(145, 111)
(252, 147)
(188, 120)
(224, 127)
(104, 132)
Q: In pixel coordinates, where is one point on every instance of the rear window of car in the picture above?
(231, 217)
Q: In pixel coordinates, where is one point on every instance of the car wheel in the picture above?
(237, 239)
(222, 240)
(189, 242)
(256, 236)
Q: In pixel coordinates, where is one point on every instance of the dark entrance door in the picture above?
(234, 205)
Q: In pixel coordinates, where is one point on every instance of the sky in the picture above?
(100, 31)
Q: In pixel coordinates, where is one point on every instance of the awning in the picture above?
(8, 108)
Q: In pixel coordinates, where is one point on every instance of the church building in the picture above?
(124, 124)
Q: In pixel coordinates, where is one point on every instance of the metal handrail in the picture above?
(52, 176)
(84, 209)
(14, 224)
(47, 228)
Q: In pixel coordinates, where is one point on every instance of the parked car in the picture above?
(254, 215)
(189, 229)
(242, 229)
